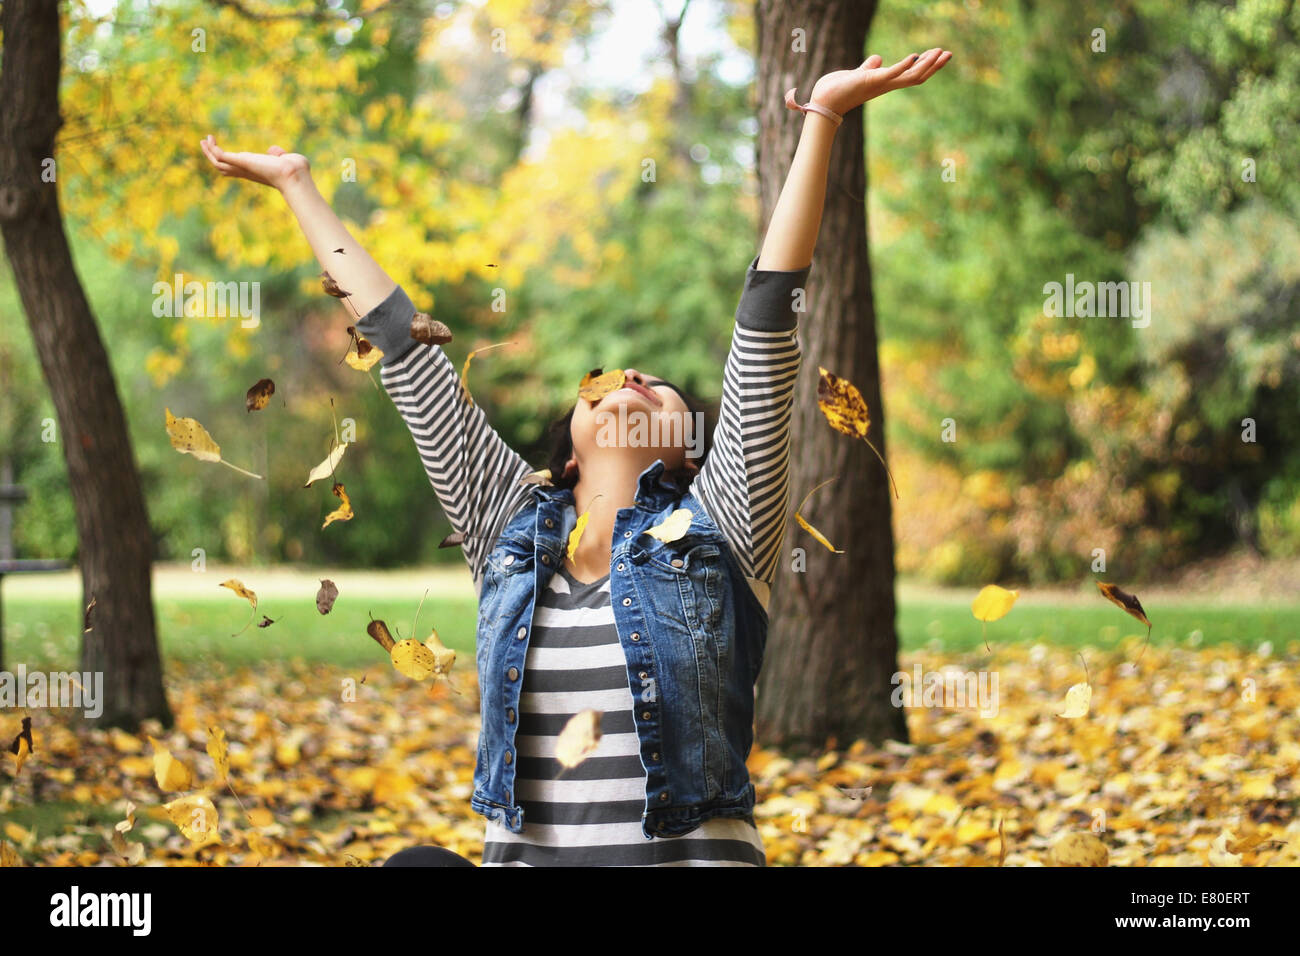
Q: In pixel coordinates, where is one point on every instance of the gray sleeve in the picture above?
(388, 326)
(767, 300)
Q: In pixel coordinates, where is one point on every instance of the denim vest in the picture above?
(692, 633)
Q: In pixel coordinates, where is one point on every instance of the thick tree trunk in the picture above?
(832, 648)
(116, 548)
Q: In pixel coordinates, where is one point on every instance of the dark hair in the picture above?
(562, 442)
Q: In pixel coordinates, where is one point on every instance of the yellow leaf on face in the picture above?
(1077, 700)
(196, 818)
(673, 527)
(993, 602)
(803, 522)
(595, 385)
(413, 659)
(579, 738)
(170, 773)
(219, 751)
(344, 511)
(1079, 849)
(464, 372)
(443, 656)
(326, 467)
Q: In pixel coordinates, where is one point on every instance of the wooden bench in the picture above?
(10, 496)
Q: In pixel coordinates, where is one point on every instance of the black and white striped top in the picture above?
(590, 815)
(743, 486)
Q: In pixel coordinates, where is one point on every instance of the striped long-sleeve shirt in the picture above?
(743, 483)
(590, 815)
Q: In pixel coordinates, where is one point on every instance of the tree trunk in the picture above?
(116, 547)
(832, 648)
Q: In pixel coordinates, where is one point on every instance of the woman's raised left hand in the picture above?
(844, 90)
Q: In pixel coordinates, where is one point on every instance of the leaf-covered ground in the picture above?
(1187, 757)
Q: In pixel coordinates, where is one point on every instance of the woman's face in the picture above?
(647, 418)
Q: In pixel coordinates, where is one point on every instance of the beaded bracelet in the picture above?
(831, 115)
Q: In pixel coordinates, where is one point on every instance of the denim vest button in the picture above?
(521, 633)
(677, 562)
(662, 797)
(510, 719)
(627, 534)
(509, 757)
(550, 523)
(644, 675)
(620, 565)
(626, 601)
(645, 714)
(636, 635)
(546, 559)
(512, 673)
(507, 796)
(655, 755)
(509, 559)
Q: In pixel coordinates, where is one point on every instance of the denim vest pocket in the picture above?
(498, 595)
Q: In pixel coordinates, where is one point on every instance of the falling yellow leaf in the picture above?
(580, 526)
(993, 603)
(413, 659)
(595, 385)
(1002, 841)
(803, 522)
(191, 438)
(1079, 849)
(443, 656)
(464, 372)
(171, 774)
(9, 856)
(846, 411)
(365, 356)
(22, 745)
(255, 398)
(579, 738)
(132, 853)
(542, 478)
(343, 512)
(1077, 700)
(235, 585)
(196, 818)
(673, 527)
(219, 751)
(326, 467)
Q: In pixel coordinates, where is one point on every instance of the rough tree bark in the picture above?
(116, 547)
(832, 646)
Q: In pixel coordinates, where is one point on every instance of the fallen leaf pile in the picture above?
(1175, 764)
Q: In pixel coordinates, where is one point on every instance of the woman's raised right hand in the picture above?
(274, 168)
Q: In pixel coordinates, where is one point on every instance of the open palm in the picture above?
(274, 168)
(843, 90)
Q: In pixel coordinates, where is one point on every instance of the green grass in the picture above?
(43, 632)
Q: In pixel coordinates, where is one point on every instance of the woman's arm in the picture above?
(472, 470)
(792, 230)
(744, 483)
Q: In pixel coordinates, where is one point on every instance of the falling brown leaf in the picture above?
(579, 738)
(464, 371)
(189, 437)
(326, 595)
(452, 540)
(331, 287)
(86, 626)
(238, 587)
(265, 621)
(256, 398)
(803, 523)
(846, 411)
(22, 745)
(427, 329)
(343, 512)
(1129, 603)
(379, 631)
(595, 385)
